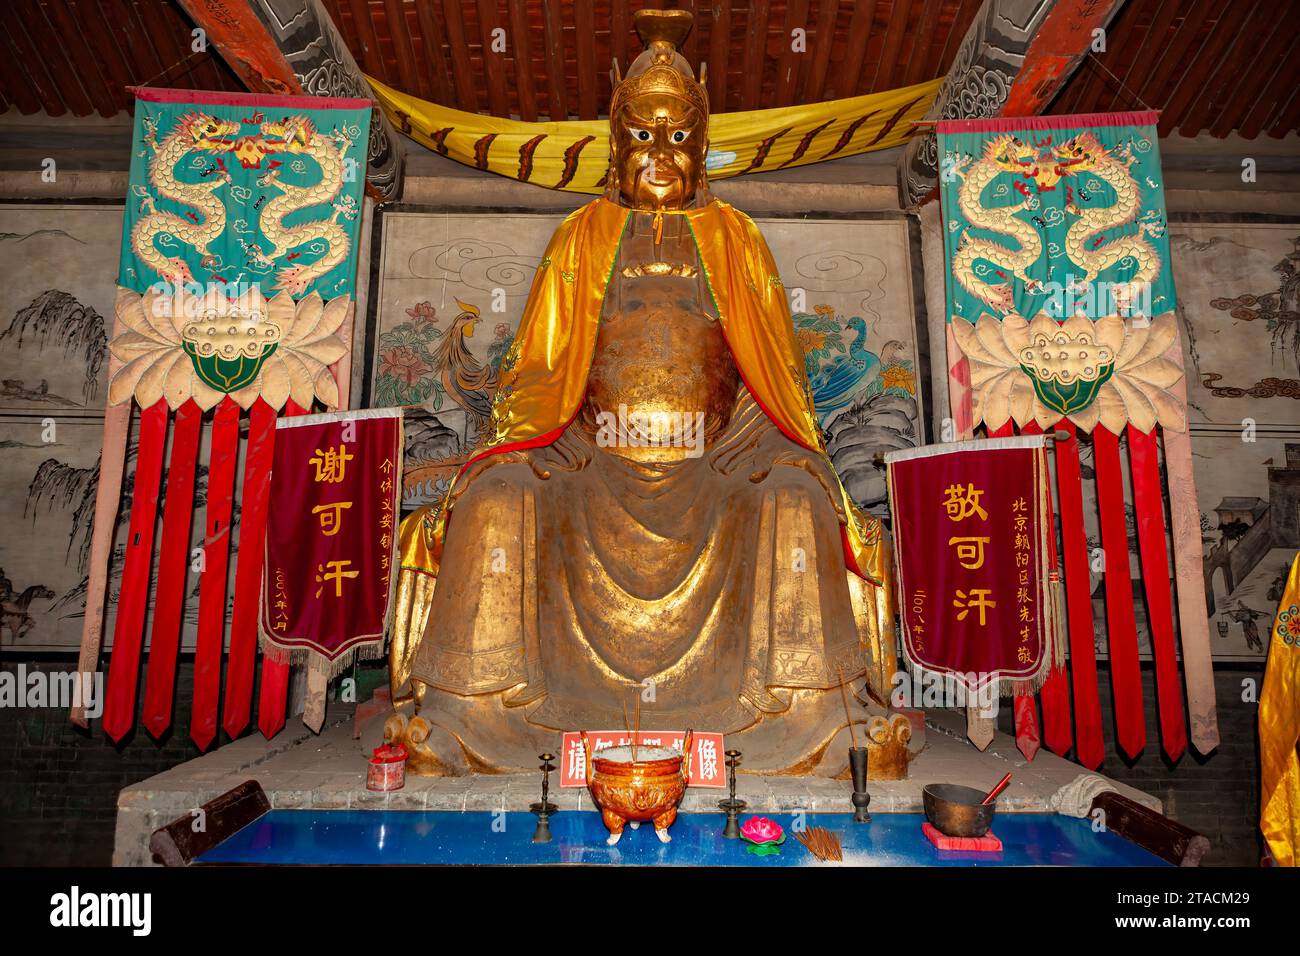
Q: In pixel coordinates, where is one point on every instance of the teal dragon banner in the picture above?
(234, 303)
(1058, 270)
(244, 190)
(1061, 316)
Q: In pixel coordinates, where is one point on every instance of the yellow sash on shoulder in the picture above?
(544, 375)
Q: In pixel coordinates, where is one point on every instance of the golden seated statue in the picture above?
(651, 510)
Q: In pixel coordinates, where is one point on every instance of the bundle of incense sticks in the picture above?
(821, 843)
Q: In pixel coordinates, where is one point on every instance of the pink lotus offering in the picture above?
(764, 836)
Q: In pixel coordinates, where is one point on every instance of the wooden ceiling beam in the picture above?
(399, 35)
(89, 14)
(584, 19)
(555, 92)
(66, 78)
(93, 73)
(821, 43)
(920, 64)
(1232, 63)
(245, 44)
(1272, 55)
(1055, 52)
(33, 64)
(1270, 92)
(435, 57)
(1201, 68)
(755, 54)
(1174, 55)
(368, 54)
(719, 49)
(790, 62)
(1288, 118)
(1139, 60)
(525, 90)
(17, 83)
(495, 65)
(846, 80)
(962, 18)
(462, 72)
(882, 77)
(165, 26)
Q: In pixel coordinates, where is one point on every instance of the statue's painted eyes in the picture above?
(680, 136)
(642, 135)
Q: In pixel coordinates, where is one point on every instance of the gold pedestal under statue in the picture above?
(651, 511)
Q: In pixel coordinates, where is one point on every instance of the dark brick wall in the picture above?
(59, 784)
(1216, 795)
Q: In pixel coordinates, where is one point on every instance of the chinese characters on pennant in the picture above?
(971, 524)
(331, 536)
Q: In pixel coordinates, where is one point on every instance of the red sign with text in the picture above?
(970, 528)
(331, 530)
(707, 767)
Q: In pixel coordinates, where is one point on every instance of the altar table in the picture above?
(413, 837)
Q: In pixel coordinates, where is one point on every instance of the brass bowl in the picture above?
(956, 811)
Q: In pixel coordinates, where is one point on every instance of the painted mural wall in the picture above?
(439, 277)
(56, 311)
(445, 277)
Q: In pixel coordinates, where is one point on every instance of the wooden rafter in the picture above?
(1204, 63)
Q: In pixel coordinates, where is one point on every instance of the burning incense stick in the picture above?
(853, 737)
(636, 730)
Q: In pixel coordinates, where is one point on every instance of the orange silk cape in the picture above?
(543, 378)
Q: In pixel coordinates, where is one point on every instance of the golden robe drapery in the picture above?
(544, 376)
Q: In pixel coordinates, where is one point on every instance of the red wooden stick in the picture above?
(997, 788)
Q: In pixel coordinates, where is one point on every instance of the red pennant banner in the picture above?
(173, 560)
(331, 535)
(970, 532)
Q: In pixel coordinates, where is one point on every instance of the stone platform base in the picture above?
(300, 770)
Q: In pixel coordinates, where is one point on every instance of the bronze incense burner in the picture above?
(629, 791)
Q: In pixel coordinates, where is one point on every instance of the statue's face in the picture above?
(659, 146)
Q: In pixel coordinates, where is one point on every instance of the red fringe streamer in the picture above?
(241, 662)
(212, 588)
(1149, 506)
(173, 559)
(132, 601)
(1121, 624)
(1089, 749)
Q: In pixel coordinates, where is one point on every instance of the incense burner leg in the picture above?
(634, 824)
(663, 822)
(614, 824)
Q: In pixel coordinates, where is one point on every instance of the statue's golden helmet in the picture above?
(659, 119)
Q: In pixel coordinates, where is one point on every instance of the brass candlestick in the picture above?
(731, 806)
(545, 808)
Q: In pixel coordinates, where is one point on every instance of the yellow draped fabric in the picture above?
(1279, 730)
(544, 376)
(574, 155)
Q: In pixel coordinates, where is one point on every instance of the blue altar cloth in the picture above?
(485, 837)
